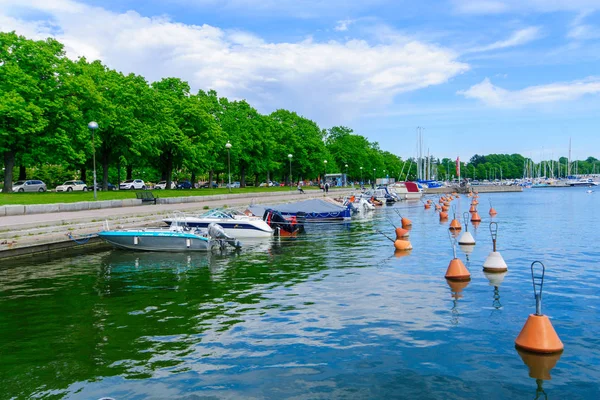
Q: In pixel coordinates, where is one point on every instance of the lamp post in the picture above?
(346, 179)
(290, 158)
(361, 178)
(325, 176)
(374, 176)
(228, 146)
(93, 125)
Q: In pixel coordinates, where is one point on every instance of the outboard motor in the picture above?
(216, 232)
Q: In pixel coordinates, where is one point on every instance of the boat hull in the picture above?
(156, 241)
(237, 229)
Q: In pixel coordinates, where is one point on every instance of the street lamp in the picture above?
(93, 125)
(228, 146)
(325, 176)
(346, 179)
(361, 178)
(374, 176)
(290, 157)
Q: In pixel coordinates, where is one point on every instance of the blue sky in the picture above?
(489, 76)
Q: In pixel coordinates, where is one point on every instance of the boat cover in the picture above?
(318, 208)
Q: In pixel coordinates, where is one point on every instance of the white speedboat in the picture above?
(236, 224)
(583, 182)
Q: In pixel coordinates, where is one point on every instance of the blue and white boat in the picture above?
(235, 224)
(177, 237)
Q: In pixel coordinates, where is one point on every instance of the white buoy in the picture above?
(466, 239)
(494, 262)
(467, 249)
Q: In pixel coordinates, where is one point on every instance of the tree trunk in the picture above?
(22, 173)
(193, 179)
(118, 172)
(83, 175)
(9, 164)
(129, 172)
(243, 175)
(210, 178)
(256, 180)
(169, 170)
(105, 171)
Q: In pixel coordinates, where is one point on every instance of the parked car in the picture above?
(264, 184)
(29, 186)
(234, 185)
(207, 185)
(109, 186)
(163, 185)
(184, 185)
(132, 184)
(70, 186)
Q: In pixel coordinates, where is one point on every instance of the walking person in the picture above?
(326, 187)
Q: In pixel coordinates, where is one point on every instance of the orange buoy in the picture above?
(445, 207)
(406, 222)
(443, 216)
(473, 209)
(402, 245)
(438, 207)
(475, 217)
(401, 233)
(474, 202)
(492, 211)
(457, 271)
(538, 334)
(455, 225)
(427, 206)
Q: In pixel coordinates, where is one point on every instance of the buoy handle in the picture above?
(538, 283)
(494, 233)
(466, 218)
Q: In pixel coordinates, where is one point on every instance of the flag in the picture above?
(458, 166)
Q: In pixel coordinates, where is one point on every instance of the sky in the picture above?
(478, 76)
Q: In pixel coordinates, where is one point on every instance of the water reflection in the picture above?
(539, 366)
(456, 288)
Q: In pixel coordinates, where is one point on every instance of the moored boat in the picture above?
(234, 223)
(312, 210)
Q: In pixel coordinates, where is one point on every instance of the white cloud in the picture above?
(328, 81)
(518, 38)
(581, 31)
(505, 6)
(343, 25)
(543, 94)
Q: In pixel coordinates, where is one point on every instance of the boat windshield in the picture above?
(217, 213)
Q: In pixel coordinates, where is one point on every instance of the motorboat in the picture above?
(312, 210)
(583, 182)
(177, 237)
(408, 190)
(234, 223)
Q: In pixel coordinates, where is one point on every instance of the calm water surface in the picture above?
(333, 314)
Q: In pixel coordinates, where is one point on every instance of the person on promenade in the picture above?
(300, 188)
(326, 187)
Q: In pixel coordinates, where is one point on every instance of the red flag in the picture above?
(458, 166)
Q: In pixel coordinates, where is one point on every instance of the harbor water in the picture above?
(335, 313)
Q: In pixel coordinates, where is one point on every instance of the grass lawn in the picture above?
(72, 197)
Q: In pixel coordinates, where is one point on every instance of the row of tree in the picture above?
(47, 101)
(165, 130)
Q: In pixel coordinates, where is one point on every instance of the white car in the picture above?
(163, 184)
(132, 184)
(70, 186)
